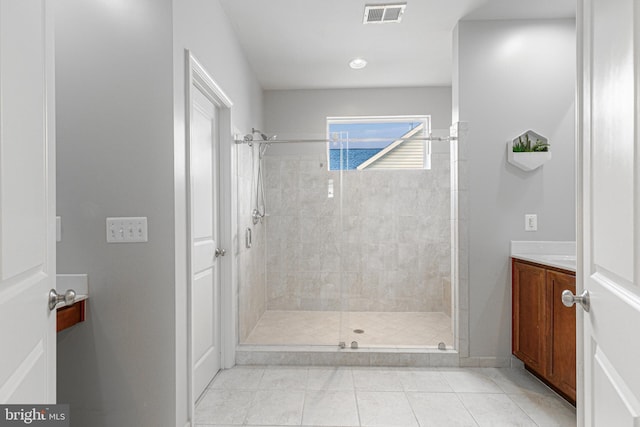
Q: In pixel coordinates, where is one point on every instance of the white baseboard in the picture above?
(485, 362)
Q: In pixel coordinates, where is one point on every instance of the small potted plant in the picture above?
(528, 151)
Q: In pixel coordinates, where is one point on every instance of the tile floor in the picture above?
(423, 329)
(299, 396)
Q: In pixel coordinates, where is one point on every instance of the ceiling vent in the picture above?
(383, 13)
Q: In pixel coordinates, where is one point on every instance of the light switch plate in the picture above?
(531, 222)
(58, 229)
(127, 229)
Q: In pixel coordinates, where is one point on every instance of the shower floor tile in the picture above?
(381, 329)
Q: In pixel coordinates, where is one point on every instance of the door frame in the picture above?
(197, 75)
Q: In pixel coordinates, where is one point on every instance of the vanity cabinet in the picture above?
(68, 316)
(543, 329)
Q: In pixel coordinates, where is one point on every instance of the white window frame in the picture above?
(330, 120)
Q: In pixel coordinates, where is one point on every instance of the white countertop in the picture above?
(551, 253)
(78, 282)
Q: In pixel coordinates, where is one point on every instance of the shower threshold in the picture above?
(371, 339)
(334, 356)
(368, 329)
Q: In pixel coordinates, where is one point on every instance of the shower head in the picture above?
(262, 135)
(263, 147)
(266, 140)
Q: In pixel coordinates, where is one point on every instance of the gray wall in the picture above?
(120, 132)
(313, 106)
(115, 158)
(512, 76)
(303, 113)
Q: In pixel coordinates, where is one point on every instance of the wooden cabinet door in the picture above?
(562, 361)
(529, 340)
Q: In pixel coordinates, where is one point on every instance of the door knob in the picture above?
(55, 298)
(569, 299)
(220, 252)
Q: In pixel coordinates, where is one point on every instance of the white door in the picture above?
(610, 211)
(205, 274)
(27, 203)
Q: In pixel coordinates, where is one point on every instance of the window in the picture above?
(359, 143)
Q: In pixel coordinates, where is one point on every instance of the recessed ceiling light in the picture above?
(358, 63)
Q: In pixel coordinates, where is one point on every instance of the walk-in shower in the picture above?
(344, 258)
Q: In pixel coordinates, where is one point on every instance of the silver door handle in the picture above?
(569, 299)
(220, 252)
(54, 298)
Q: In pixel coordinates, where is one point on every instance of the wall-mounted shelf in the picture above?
(529, 160)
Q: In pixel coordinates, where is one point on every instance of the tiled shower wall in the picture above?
(381, 243)
(251, 261)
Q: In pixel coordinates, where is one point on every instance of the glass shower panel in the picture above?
(363, 204)
(361, 200)
(395, 248)
(319, 268)
(343, 254)
(251, 247)
(341, 160)
(301, 235)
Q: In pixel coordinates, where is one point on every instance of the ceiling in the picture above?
(304, 44)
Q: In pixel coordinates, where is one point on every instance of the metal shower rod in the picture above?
(415, 138)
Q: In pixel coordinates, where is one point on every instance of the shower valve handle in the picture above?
(220, 252)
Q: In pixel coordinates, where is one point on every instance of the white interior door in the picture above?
(610, 155)
(27, 203)
(205, 275)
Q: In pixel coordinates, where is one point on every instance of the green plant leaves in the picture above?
(525, 145)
